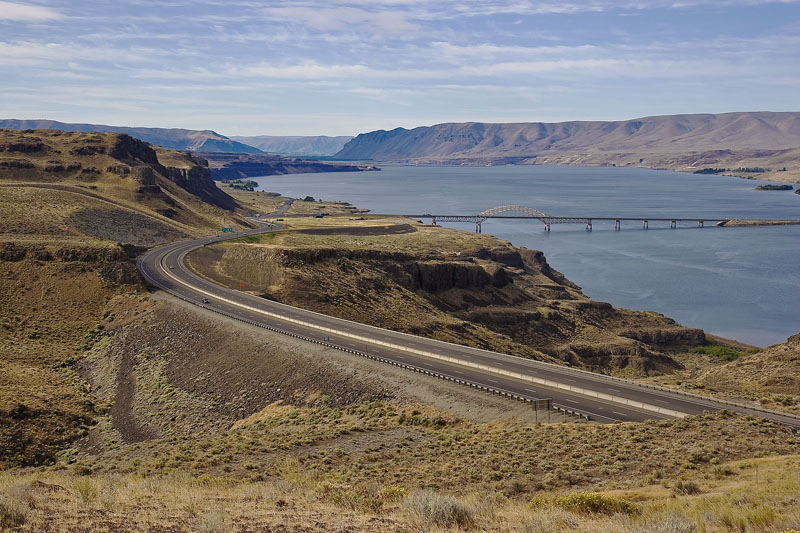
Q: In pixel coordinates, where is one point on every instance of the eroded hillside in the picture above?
(676, 142)
(75, 209)
(449, 285)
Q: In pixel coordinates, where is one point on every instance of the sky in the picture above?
(343, 67)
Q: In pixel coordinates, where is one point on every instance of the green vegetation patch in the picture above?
(242, 185)
(596, 503)
(774, 188)
(721, 351)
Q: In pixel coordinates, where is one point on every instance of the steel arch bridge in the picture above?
(523, 212)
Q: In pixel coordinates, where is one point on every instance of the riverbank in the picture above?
(747, 223)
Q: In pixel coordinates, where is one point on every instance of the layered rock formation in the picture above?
(678, 142)
(236, 166)
(499, 298)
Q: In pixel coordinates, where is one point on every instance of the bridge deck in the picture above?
(548, 217)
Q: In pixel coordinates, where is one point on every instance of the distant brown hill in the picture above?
(680, 142)
(174, 138)
(664, 134)
(296, 144)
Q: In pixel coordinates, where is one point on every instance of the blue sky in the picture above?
(338, 67)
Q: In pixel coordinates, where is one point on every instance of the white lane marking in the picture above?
(618, 413)
(615, 390)
(458, 372)
(662, 401)
(182, 252)
(570, 379)
(530, 390)
(570, 401)
(493, 381)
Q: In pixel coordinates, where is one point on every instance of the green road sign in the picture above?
(227, 230)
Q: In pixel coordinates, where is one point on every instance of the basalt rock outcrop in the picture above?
(500, 298)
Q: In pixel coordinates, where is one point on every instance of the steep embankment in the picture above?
(454, 286)
(74, 210)
(237, 166)
(773, 372)
(680, 142)
(112, 173)
(173, 138)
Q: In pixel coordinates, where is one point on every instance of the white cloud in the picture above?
(27, 12)
(306, 70)
(343, 18)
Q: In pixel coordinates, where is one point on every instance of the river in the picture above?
(740, 283)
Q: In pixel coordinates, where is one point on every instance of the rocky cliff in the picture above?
(236, 166)
(496, 297)
(131, 184)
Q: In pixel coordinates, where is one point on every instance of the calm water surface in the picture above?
(742, 283)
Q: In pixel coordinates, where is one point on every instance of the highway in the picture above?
(598, 397)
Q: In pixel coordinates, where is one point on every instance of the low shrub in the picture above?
(548, 521)
(431, 508)
(212, 522)
(596, 503)
(12, 513)
(671, 523)
(365, 497)
(85, 489)
(686, 488)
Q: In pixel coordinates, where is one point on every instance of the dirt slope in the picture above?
(775, 370)
(74, 210)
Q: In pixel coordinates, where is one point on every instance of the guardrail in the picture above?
(545, 382)
(546, 403)
(455, 360)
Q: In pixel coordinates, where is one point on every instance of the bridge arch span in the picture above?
(511, 210)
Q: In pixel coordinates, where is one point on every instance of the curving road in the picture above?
(600, 398)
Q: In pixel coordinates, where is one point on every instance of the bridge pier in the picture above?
(699, 223)
(644, 224)
(673, 224)
(616, 225)
(547, 227)
(588, 225)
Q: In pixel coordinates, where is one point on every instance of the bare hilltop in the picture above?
(734, 141)
(173, 138)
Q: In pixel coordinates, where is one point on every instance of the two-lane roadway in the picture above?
(603, 398)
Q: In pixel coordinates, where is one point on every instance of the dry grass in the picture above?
(425, 240)
(257, 202)
(43, 501)
(770, 377)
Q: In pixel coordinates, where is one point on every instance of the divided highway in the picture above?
(601, 398)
